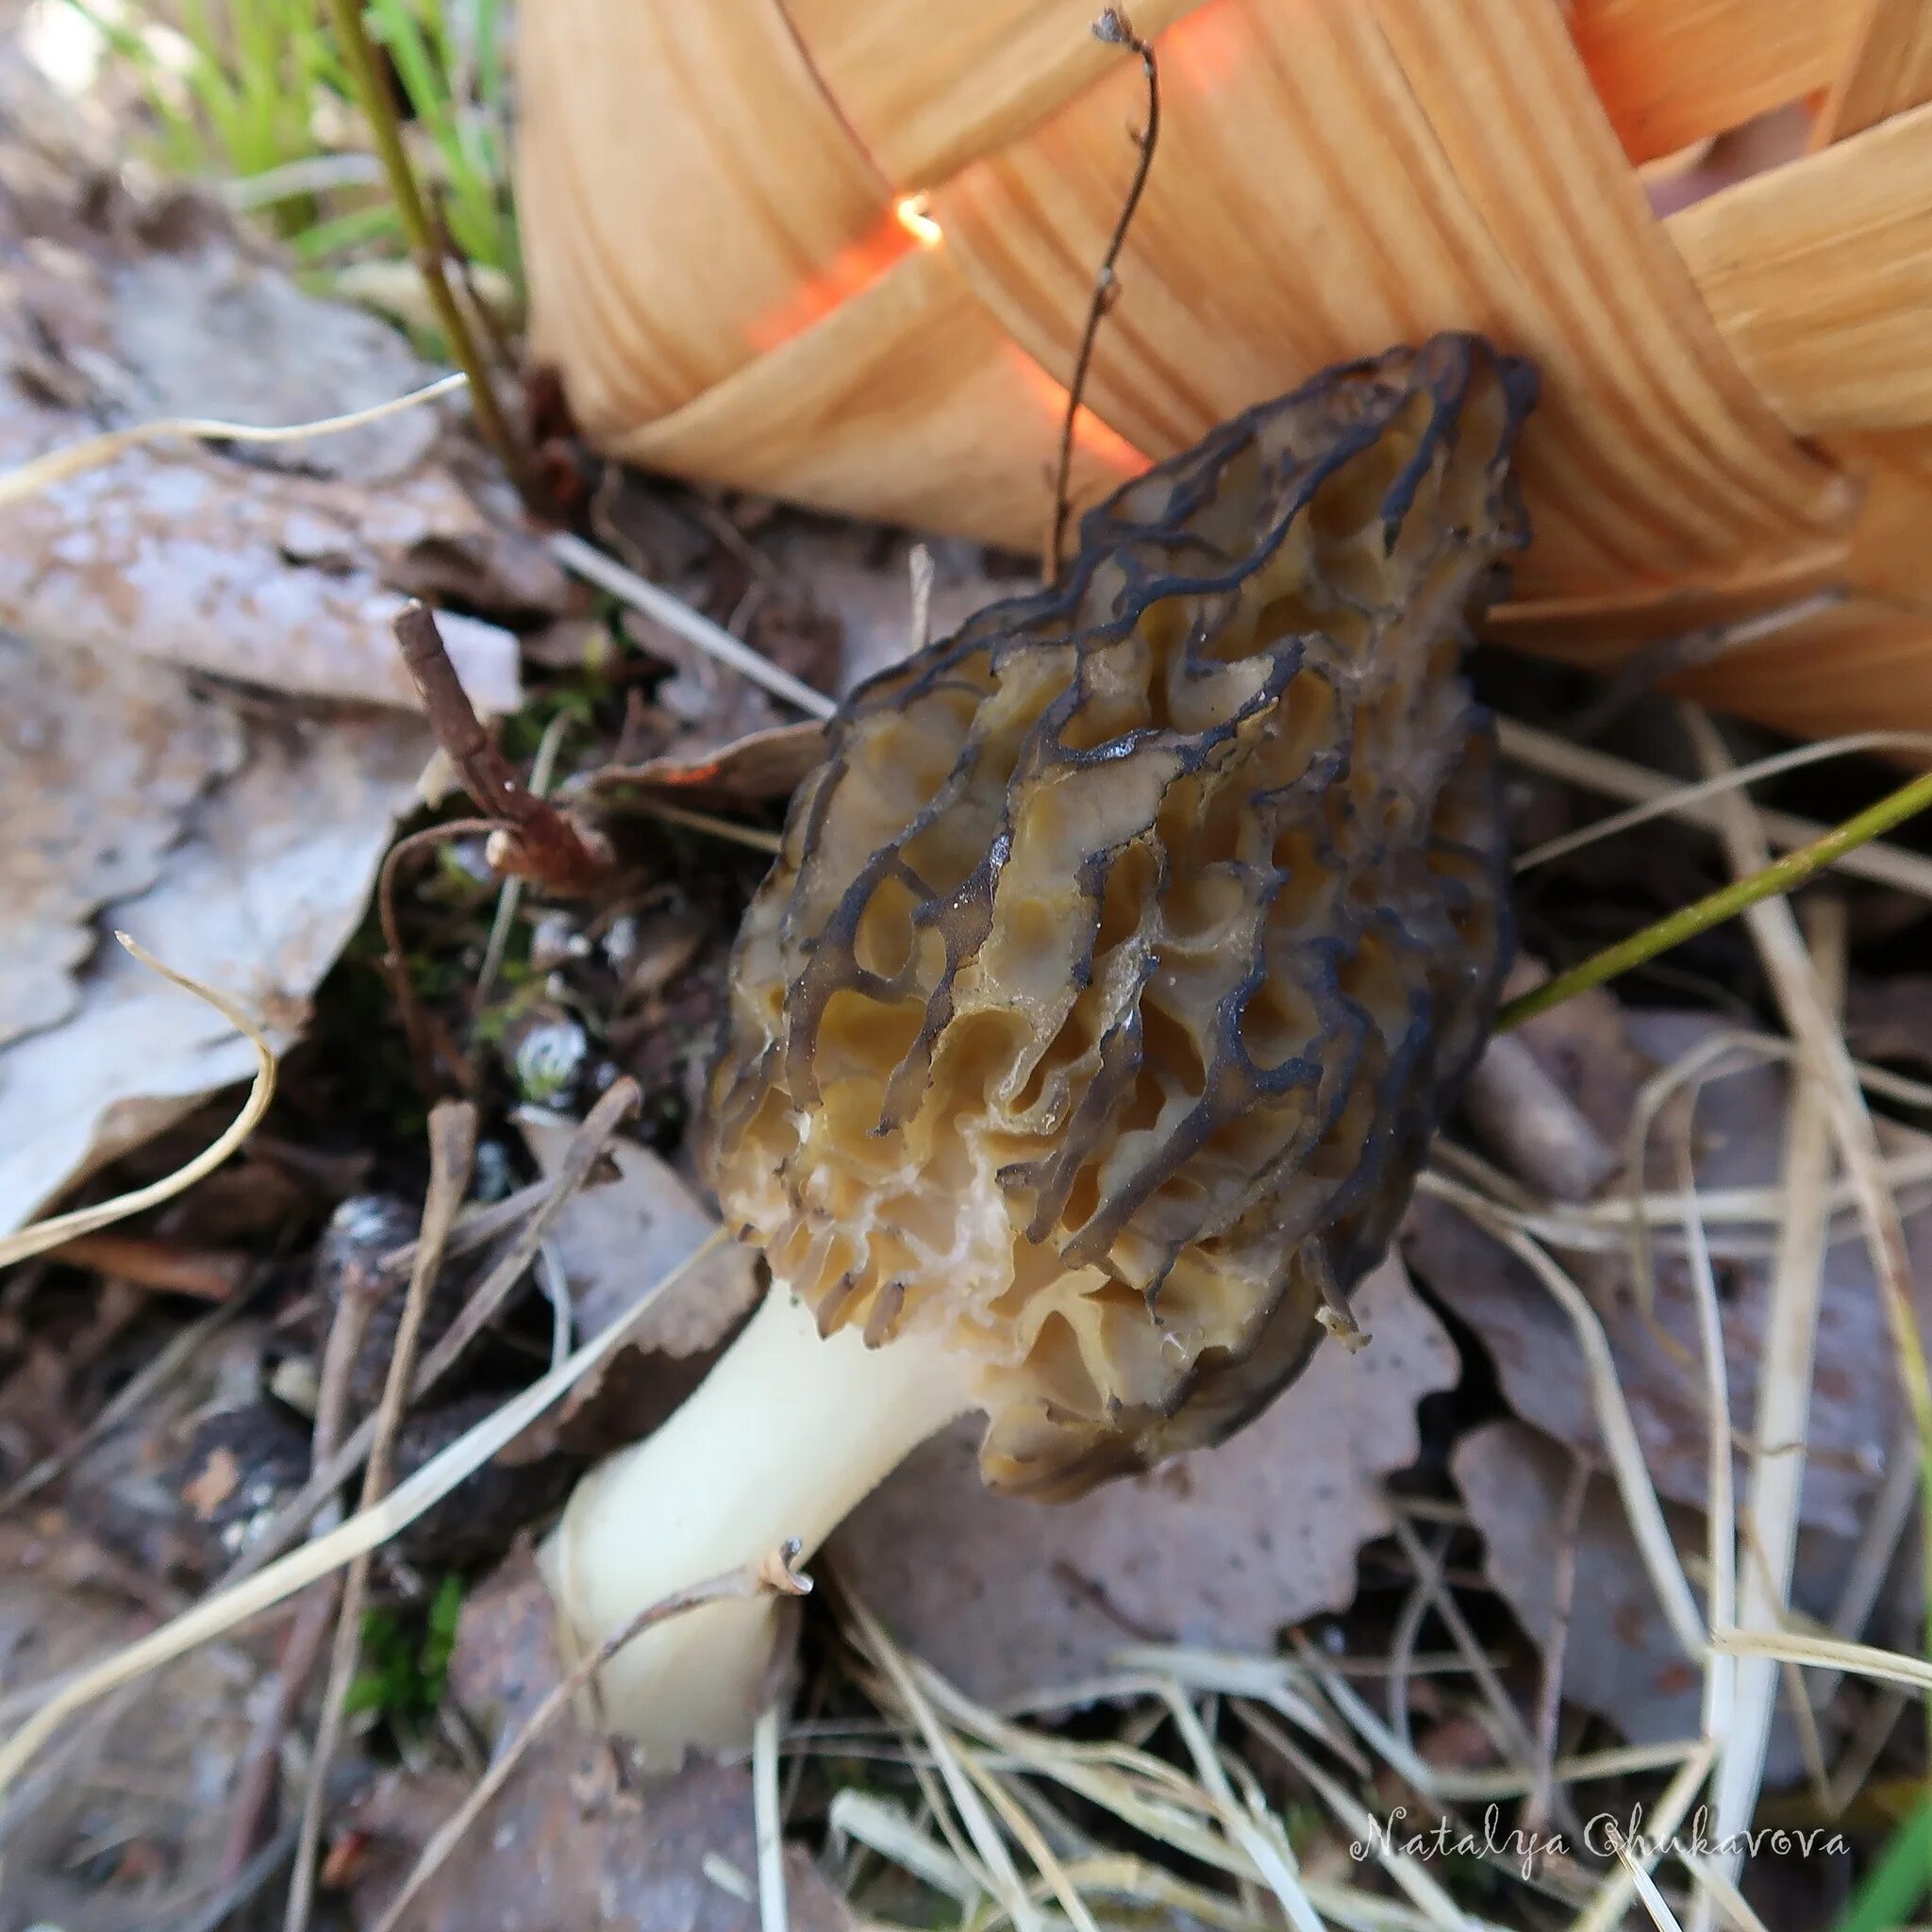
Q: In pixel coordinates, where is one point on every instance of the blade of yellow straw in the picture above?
(75, 458)
(47, 1234)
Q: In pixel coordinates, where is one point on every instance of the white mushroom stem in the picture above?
(788, 1433)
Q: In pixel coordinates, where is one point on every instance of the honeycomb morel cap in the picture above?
(1120, 960)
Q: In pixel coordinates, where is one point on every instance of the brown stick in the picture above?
(409, 1010)
(535, 840)
(210, 1274)
(255, 1781)
(419, 230)
(579, 1156)
(1114, 28)
(452, 1154)
(770, 1574)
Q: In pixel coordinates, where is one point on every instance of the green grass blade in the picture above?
(1891, 1893)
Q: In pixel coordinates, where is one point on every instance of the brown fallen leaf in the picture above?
(1855, 1400)
(133, 744)
(1622, 1658)
(615, 1241)
(569, 1845)
(1220, 1548)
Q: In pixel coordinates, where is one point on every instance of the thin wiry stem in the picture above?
(426, 249)
(1115, 28)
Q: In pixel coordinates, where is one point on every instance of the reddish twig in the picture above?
(416, 1026)
(531, 838)
(1114, 28)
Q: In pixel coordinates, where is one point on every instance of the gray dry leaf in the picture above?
(123, 1829)
(220, 562)
(1855, 1403)
(269, 879)
(1221, 1548)
(569, 1845)
(211, 333)
(863, 578)
(1622, 1658)
(616, 1240)
(133, 746)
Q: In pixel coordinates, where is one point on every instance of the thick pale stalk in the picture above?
(788, 1433)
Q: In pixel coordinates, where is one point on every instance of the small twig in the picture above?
(477, 1229)
(372, 90)
(395, 966)
(1781, 876)
(580, 1156)
(255, 1781)
(772, 1574)
(533, 839)
(452, 1154)
(587, 561)
(543, 769)
(1115, 28)
(752, 836)
(210, 1274)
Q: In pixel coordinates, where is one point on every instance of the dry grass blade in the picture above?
(1720, 1673)
(1808, 1013)
(366, 1531)
(452, 1154)
(1716, 1886)
(580, 1156)
(627, 587)
(1653, 1903)
(767, 1826)
(1698, 805)
(1408, 1873)
(1782, 1420)
(886, 1829)
(1269, 1680)
(1054, 1879)
(1621, 1444)
(979, 1826)
(1612, 1898)
(1834, 1653)
(770, 1573)
(75, 458)
(1275, 1863)
(47, 1234)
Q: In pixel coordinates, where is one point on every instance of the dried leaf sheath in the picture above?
(1129, 945)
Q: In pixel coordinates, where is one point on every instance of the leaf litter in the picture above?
(1196, 1572)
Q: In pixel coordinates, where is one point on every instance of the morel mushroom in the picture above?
(1088, 1033)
